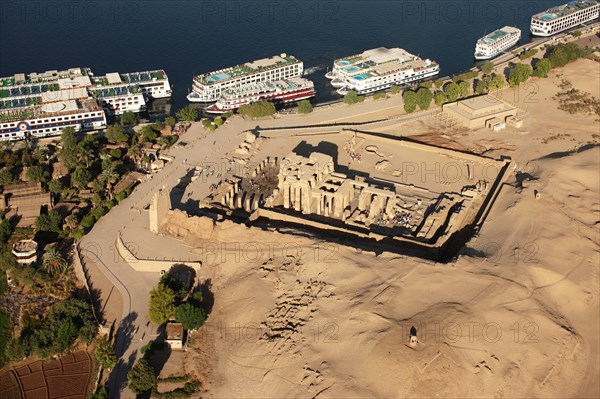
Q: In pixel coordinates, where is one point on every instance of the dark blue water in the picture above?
(188, 37)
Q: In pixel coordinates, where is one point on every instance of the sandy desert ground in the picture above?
(516, 315)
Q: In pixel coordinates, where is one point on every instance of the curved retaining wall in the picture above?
(149, 265)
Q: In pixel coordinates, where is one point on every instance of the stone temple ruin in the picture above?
(307, 191)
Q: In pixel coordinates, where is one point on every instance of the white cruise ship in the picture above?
(209, 87)
(496, 42)
(563, 17)
(279, 91)
(46, 114)
(378, 69)
(41, 104)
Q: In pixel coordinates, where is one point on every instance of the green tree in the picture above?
(562, 54)
(305, 107)
(40, 154)
(452, 92)
(50, 222)
(170, 121)
(190, 316)
(519, 74)
(66, 321)
(395, 89)
(6, 176)
(496, 82)
(463, 89)
(528, 54)
(161, 304)
(351, 97)
(55, 186)
(6, 230)
(106, 354)
(439, 98)
(108, 177)
(68, 153)
(129, 118)
(542, 68)
(115, 134)
(188, 114)
(481, 87)
(410, 101)
(487, 67)
(67, 332)
(36, 173)
(141, 377)
(102, 393)
(53, 262)
(424, 97)
(80, 177)
(85, 154)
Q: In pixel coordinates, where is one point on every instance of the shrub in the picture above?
(116, 153)
(206, 122)
(428, 84)
(379, 96)
(258, 109)
(212, 128)
(77, 234)
(88, 221)
(528, 54)
(121, 196)
(218, 121)
(97, 213)
(577, 33)
(305, 107)
(395, 89)
(351, 97)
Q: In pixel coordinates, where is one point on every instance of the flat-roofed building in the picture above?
(476, 112)
(174, 333)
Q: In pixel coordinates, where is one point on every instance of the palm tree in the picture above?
(109, 177)
(53, 262)
(85, 155)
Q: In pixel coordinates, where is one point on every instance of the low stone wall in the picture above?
(149, 265)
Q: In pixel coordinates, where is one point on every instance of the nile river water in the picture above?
(188, 37)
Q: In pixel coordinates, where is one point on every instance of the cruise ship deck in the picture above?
(563, 10)
(379, 62)
(246, 69)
